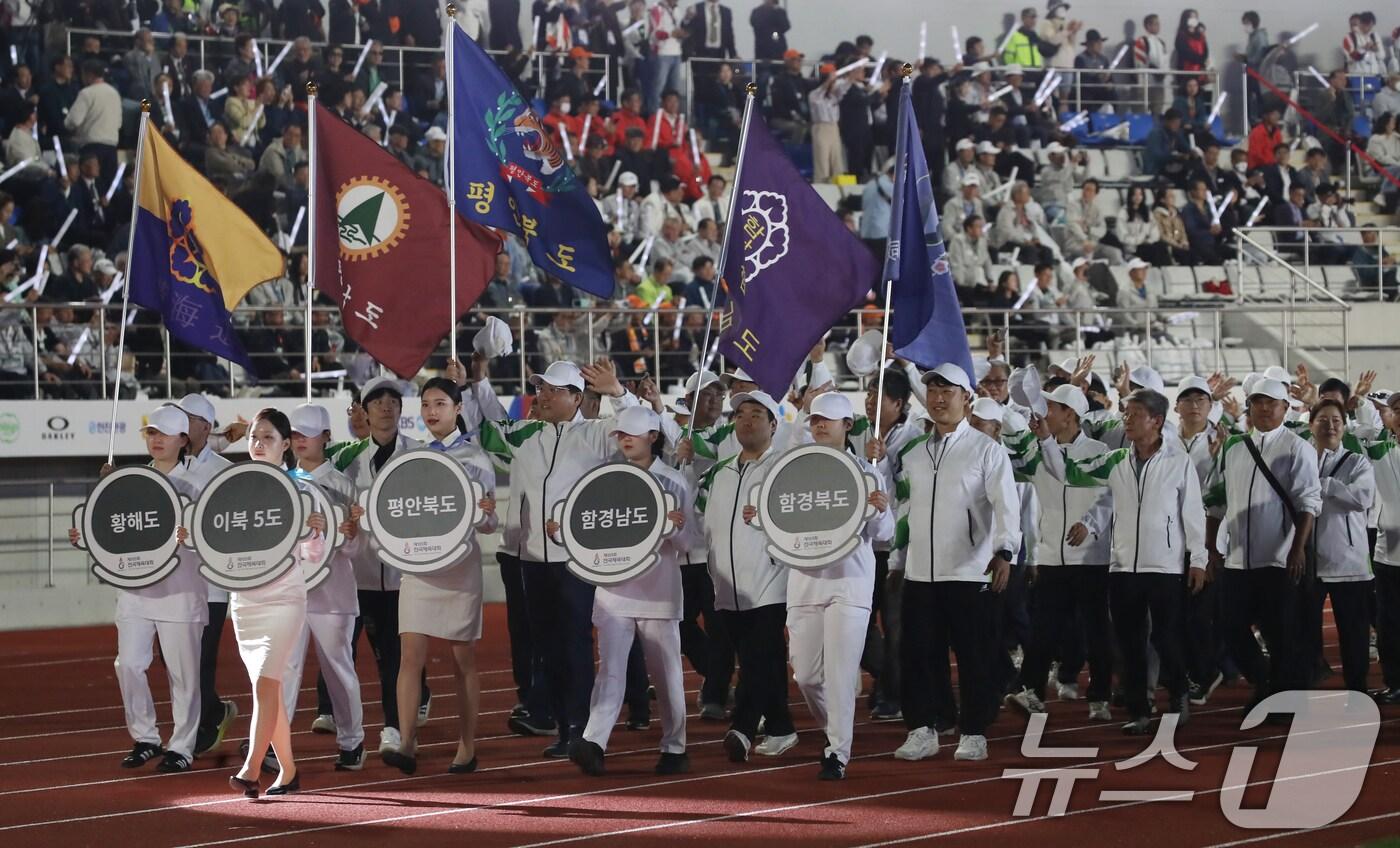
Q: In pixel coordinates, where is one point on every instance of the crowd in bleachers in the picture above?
(1072, 190)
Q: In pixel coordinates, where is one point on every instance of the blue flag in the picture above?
(511, 176)
(792, 269)
(926, 326)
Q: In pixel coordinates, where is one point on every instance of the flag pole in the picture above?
(310, 221)
(908, 72)
(752, 90)
(126, 282)
(447, 42)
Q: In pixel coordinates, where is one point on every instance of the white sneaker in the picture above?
(323, 724)
(971, 748)
(918, 745)
(773, 746)
(1068, 691)
(424, 711)
(389, 739)
(1025, 701)
(1099, 711)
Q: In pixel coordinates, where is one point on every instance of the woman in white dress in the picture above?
(172, 611)
(647, 607)
(268, 622)
(828, 609)
(445, 604)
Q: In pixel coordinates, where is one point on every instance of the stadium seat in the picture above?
(1120, 165)
(1179, 282)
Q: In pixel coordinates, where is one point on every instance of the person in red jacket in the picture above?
(1266, 135)
(628, 116)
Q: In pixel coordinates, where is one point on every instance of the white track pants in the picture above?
(661, 644)
(825, 643)
(179, 645)
(332, 632)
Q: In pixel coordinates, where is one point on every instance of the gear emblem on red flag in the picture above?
(372, 217)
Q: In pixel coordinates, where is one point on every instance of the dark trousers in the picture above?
(872, 656)
(1013, 626)
(1388, 622)
(1131, 598)
(709, 650)
(1351, 609)
(1063, 596)
(936, 617)
(760, 643)
(1204, 653)
(527, 669)
(561, 622)
(1266, 597)
(211, 708)
(379, 620)
(891, 622)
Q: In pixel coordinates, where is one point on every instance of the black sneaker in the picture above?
(1199, 695)
(673, 764)
(351, 760)
(1387, 697)
(519, 711)
(638, 723)
(172, 763)
(209, 737)
(832, 769)
(588, 756)
(527, 725)
(885, 711)
(1138, 727)
(558, 751)
(737, 746)
(141, 753)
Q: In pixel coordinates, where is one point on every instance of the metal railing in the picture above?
(1307, 255)
(34, 547)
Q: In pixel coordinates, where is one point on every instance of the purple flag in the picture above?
(792, 269)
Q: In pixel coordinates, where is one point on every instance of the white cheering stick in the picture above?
(272, 69)
(568, 148)
(1224, 204)
(656, 305)
(1317, 76)
(296, 226)
(1300, 36)
(621, 209)
(1258, 210)
(631, 28)
(656, 129)
(583, 136)
(612, 177)
(1004, 187)
(1215, 112)
(680, 314)
(165, 97)
(997, 95)
(1210, 201)
(537, 32)
(1047, 86)
(923, 40)
(116, 181)
(11, 244)
(220, 93)
(1024, 297)
(856, 65)
(87, 331)
(637, 252)
(1001, 48)
(257, 59)
(17, 167)
(388, 120)
(58, 151)
(598, 89)
(879, 66)
(253, 127)
(374, 97)
(695, 152)
(957, 44)
(359, 63)
(1118, 57)
(63, 230)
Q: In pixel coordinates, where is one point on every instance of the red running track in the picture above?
(62, 735)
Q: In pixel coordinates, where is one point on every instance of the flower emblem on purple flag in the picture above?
(765, 230)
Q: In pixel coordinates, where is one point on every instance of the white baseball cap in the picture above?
(706, 378)
(678, 407)
(560, 374)
(1278, 372)
(493, 339)
(627, 178)
(971, 178)
(965, 144)
(198, 406)
(1056, 147)
(636, 421)
(1136, 263)
(951, 374)
(1270, 388)
(833, 406)
(1078, 263)
(761, 398)
(1065, 366)
(1147, 377)
(981, 367)
(170, 420)
(435, 134)
(987, 147)
(310, 419)
(738, 375)
(384, 383)
(864, 356)
(988, 410)
(1193, 384)
(1070, 396)
(1249, 381)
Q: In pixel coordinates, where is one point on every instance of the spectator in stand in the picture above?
(172, 18)
(1057, 36)
(225, 164)
(648, 165)
(628, 116)
(1194, 107)
(964, 162)
(1336, 112)
(1150, 53)
(1020, 109)
(280, 158)
(875, 211)
(857, 133)
(1386, 100)
(57, 96)
(714, 206)
(278, 352)
(1020, 227)
(22, 145)
(1192, 52)
(1279, 177)
(504, 32)
(666, 203)
(79, 283)
(142, 66)
(1168, 153)
(242, 66)
(179, 65)
(1095, 87)
(1171, 227)
(1218, 180)
(1314, 173)
(929, 109)
(1264, 138)
(711, 29)
(1256, 48)
(1384, 147)
(1362, 45)
(1205, 235)
(1137, 296)
(668, 35)
(431, 162)
(988, 179)
(971, 259)
(1330, 215)
(965, 204)
(964, 107)
(94, 224)
(707, 242)
(669, 247)
(719, 109)
(195, 113)
(296, 19)
(770, 26)
(572, 83)
(1023, 47)
(1057, 179)
(1086, 228)
(300, 67)
(1375, 267)
(828, 158)
(241, 111)
(95, 120)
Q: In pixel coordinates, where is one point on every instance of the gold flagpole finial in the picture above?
(752, 89)
(311, 89)
(452, 10)
(907, 70)
(146, 107)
